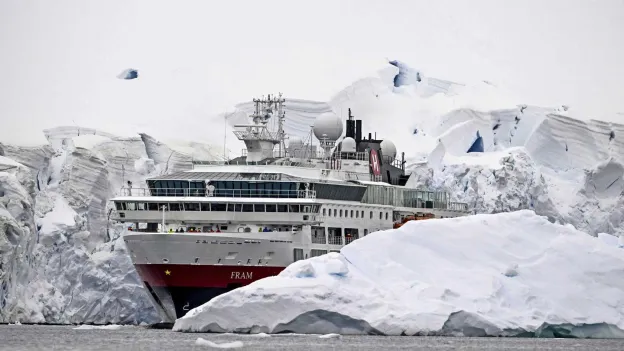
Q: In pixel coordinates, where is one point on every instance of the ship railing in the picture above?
(318, 239)
(246, 193)
(334, 240)
(349, 239)
(458, 206)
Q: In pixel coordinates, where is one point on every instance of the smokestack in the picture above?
(370, 136)
(358, 130)
(350, 126)
(350, 129)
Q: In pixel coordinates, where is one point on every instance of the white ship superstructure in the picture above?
(221, 225)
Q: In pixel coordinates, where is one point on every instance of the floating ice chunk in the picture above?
(330, 336)
(128, 74)
(98, 327)
(226, 345)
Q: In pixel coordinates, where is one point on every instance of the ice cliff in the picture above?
(491, 274)
(61, 259)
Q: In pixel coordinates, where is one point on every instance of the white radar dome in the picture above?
(388, 149)
(328, 126)
(347, 145)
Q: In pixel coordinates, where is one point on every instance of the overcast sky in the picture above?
(59, 59)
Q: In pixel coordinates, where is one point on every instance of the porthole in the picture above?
(165, 260)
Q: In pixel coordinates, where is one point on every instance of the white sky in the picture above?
(59, 59)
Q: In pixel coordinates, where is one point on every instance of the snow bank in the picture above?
(501, 274)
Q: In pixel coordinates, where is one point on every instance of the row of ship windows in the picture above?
(214, 206)
(350, 213)
(238, 242)
(298, 254)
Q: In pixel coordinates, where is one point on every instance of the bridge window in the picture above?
(130, 206)
(351, 213)
(259, 207)
(324, 212)
(386, 216)
(218, 206)
(152, 206)
(294, 208)
(174, 206)
(362, 214)
(357, 214)
(340, 213)
(380, 215)
(191, 206)
(282, 208)
(248, 208)
(205, 206)
(119, 207)
(371, 214)
(271, 208)
(316, 252)
(335, 213)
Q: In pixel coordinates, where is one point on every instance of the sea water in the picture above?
(40, 337)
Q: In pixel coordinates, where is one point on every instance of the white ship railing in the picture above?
(335, 240)
(249, 193)
(318, 239)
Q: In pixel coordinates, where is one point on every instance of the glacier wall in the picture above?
(61, 259)
(54, 206)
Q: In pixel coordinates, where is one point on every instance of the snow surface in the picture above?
(54, 198)
(488, 274)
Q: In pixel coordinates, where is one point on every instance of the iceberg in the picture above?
(439, 277)
(63, 261)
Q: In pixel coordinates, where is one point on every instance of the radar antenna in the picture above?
(257, 136)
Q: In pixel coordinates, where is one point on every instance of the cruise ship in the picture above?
(196, 234)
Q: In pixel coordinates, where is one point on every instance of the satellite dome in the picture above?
(347, 145)
(328, 126)
(388, 149)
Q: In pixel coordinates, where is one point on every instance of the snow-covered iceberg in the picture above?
(61, 259)
(503, 274)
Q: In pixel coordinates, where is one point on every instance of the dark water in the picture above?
(137, 338)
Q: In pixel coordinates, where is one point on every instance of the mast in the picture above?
(259, 140)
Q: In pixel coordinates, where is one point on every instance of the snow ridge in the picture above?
(501, 275)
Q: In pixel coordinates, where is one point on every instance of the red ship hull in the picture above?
(176, 289)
